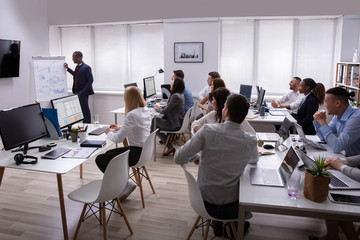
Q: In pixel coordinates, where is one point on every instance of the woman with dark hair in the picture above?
(313, 97)
(219, 97)
(173, 112)
(217, 83)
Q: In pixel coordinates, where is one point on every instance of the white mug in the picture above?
(82, 136)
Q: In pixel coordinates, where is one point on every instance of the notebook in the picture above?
(93, 143)
(303, 138)
(275, 177)
(274, 137)
(338, 180)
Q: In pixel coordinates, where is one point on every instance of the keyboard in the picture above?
(273, 137)
(337, 182)
(56, 153)
(98, 131)
(270, 176)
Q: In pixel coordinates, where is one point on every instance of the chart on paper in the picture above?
(50, 78)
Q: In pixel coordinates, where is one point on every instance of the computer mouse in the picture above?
(268, 146)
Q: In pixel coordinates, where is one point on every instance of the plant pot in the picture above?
(316, 188)
(74, 136)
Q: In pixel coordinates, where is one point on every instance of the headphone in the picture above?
(19, 159)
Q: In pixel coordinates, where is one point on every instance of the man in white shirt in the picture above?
(292, 99)
(226, 150)
(203, 93)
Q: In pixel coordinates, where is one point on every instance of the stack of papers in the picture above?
(82, 153)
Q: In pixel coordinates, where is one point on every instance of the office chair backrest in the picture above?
(147, 150)
(115, 178)
(186, 121)
(196, 200)
(165, 90)
(196, 111)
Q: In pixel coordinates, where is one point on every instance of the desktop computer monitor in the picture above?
(260, 98)
(21, 126)
(149, 87)
(130, 85)
(68, 110)
(245, 90)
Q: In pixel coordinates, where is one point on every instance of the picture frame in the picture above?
(189, 52)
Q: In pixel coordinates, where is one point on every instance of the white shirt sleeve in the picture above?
(203, 92)
(120, 135)
(208, 118)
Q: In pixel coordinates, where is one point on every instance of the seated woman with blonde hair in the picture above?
(136, 129)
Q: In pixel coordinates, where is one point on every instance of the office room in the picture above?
(258, 43)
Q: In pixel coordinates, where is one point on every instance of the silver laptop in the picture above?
(274, 137)
(275, 177)
(338, 180)
(303, 138)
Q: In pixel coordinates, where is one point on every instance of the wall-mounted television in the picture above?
(9, 58)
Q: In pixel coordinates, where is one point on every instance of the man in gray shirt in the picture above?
(226, 149)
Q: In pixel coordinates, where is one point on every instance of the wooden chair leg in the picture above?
(100, 213)
(193, 227)
(167, 141)
(124, 216)
(141, 189)
(135, 176)
(103, 209)
(148, 178)
(80, 221)
(184, 137)
(180, 139)
(228, 229)
(207, 229)
(233, 228)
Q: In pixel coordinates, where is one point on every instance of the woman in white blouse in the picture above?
(136, 128)
(219, 97)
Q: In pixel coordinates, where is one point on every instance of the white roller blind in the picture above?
(76, 39)
(110, 48)
(146, 53)
(237, 53)
(315, 50)
(275, 55)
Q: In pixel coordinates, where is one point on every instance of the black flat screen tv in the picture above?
(9, 58)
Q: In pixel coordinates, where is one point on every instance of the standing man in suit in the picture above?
(82, 85)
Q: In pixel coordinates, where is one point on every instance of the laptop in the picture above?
(275, 177)
(303, 138)
(274, 137)
(338, 180)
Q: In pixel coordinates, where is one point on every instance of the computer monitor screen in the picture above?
(9, 58)
(68, 110)
(21, 126)
(245, 90)
(260, 98)
(149, 87)
(130, 85)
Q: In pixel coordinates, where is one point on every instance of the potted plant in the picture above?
(317, 181)
(74, 134)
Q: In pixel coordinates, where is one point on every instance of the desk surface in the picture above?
(59, 165)
(268, 118)
(276, 199)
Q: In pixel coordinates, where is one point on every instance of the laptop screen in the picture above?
(288, 166)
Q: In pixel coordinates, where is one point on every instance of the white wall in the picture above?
(350, 37)
(195, 73)
(25, 21)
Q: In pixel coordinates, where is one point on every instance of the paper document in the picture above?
(82, 153)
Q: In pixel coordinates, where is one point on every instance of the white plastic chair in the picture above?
(139, 168)
(181, 131)
(195, 112)
(101, 191)
(197, 204)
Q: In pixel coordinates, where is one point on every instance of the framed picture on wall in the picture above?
(188, 52)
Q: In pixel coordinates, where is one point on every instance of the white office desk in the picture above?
(153, 113)
(58, 166)
(275, 200)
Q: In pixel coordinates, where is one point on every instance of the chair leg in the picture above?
(141, 189)
(193, 227)
(180, 139)
(100, 213)
(227, 228)
(124, 216)
(184, 137)
(80, 221)
(233, 228)
(207, 229)
(167, 141)
(103, 209)
(148, 178)
(135, 176)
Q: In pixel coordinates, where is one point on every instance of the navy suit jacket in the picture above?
(85, 79)
(306, 112)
